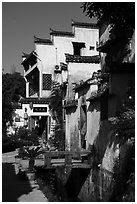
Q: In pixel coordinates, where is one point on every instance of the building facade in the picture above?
(66, 58)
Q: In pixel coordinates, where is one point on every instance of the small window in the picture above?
(47, 81)
(77, 47)
(17, 119)
(77, 50)
(92, 48)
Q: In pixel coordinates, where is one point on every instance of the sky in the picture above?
(22, 20)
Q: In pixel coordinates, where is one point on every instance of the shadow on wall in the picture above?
(12, 186)
(75, 181)
(69, 182)
(104, 138)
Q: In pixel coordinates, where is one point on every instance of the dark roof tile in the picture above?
(34, 100)
(61, 33)
(82, 59)
(84, 25)
(42, 41)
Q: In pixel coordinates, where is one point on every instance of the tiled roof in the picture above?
(84, 25)
(42, 41)
(29, 55)
(34, 100)
(83, 59)
(61, 33)
(25, 54)
(84, 84)
(70, 104)
(97, 94)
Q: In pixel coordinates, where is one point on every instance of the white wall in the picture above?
(50, 55)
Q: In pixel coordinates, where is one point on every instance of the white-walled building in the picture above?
(66, 57)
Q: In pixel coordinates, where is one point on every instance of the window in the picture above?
(77, 47)
(47, 81)
(17, 119)
(31, 90)
(91, 47)
(77, 50)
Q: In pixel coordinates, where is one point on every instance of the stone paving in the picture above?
(13, 188)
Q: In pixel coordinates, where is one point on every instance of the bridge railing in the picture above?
(67, 155)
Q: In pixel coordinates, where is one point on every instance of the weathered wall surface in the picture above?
(78, 72)
(93, 122)
(72, 132)
(81, 71)
(99, 183)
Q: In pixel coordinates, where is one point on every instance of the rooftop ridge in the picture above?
(42, 41)
(25, 54)
(28, 56)
(61, 33)
(82, 59)
(84, 25)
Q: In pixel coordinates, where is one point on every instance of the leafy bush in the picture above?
(124, 170)
(25, 137)
(8, 145)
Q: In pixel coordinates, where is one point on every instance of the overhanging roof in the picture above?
(34, 100)
(61, 33)
(42, 41)
(84, 25)
(82, 59)
(28, 56)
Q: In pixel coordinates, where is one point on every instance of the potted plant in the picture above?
(31, 153)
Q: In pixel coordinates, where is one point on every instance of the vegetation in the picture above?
(121, 17)
(25, 137)
(13, 86)
(124, 170)
(115, 13)
(29, 145)
(58, 140)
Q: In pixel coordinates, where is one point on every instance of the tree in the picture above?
(57, 140)
(13, 86)
(121, 15)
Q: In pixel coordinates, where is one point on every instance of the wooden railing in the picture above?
(67, 155)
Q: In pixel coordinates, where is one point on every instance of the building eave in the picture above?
(61, 33)
(84, 25)
(42, 41)
(71, 104)
(29, 56)
(97, 94)
(34, 100)
(86, 83)
(82, 59)
(25, 54)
